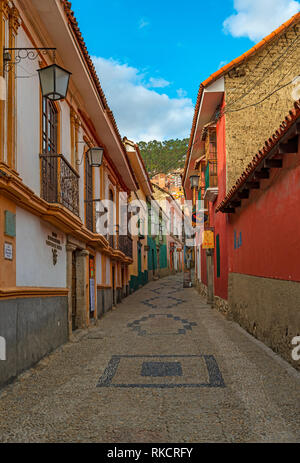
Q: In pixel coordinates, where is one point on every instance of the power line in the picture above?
(269, 71)
(261, 101)
(278, 62)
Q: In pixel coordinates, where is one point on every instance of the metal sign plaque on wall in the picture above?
(55, 243)
(8, 251)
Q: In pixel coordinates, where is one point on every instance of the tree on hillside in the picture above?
(163, 156)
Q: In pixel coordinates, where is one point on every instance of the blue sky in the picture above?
(151, 56)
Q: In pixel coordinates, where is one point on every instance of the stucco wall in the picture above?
(28, 119)
(275, 64)
(34, 258)
(219, 221)
(108, 275)
(268, 309)
(264, 233)
(104, 301)
(99, 268)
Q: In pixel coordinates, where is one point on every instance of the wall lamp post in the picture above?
(195, 180)
(54, 80)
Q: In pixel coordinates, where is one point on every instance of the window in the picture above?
(49, 127)
(49, 163)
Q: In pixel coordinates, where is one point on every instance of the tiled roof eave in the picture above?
(75, 27)
(269, 147)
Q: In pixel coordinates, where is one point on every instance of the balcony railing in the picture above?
(60, 182)
(111, 241)
(211, 175)
(125, 245)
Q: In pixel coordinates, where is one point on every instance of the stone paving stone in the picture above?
(245, 393)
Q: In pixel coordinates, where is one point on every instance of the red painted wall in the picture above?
(269, 223)
(219, 221)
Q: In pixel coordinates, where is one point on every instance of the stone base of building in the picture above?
(104, 301)
(201, 288)
(137, 282)
(32, 329)
(268, 309)
(164, 272)
(220, 304)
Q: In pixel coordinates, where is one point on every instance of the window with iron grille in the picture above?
(89, 205)
(49, 163)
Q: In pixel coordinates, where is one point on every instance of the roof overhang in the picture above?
(212, 97)
(211, 194)
(54, 30)
(138, 167)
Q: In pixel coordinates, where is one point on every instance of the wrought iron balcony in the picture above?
(60, 182)
(111, 241)
(125, 245)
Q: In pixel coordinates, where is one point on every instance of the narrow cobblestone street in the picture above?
(162, 367)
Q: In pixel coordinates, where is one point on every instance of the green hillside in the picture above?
(165, 156)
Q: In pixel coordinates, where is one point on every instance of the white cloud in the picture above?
(155, 82)
(142, 113)
(257, 18)
(143, 23)
(181, 93)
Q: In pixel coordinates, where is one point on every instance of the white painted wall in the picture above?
(99, 268)
(65, 130)
(81, 179)
(34, 259)
(28, 118)
(108, 271)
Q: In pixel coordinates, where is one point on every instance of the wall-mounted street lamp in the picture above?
(54, 80)
(194, 179)
(94, 154)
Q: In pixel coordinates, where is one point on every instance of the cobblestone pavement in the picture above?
(162, 367)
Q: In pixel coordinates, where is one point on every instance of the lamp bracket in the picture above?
(24, 53)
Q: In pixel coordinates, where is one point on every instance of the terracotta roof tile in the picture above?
(289, 120)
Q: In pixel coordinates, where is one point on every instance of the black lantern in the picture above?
(54, 82)
(95, 156)
(194, 179)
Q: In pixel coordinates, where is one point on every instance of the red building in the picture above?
(252, 272)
